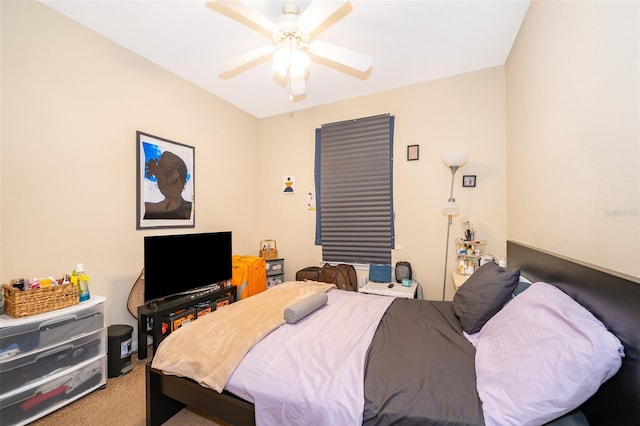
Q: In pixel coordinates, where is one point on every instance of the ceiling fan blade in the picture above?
(246, 58)
(340, 55)
(298, 85)
(243, 12)
(317, 12)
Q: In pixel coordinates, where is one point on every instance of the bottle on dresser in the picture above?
(80, 278)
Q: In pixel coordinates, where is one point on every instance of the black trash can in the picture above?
(119, 350)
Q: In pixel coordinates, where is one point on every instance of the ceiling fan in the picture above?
(291, 46)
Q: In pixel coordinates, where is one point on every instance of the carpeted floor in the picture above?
(120, 403)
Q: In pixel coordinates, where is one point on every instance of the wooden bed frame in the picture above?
(613, 298)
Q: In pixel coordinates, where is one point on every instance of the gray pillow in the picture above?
(484, 294)
(296, 311)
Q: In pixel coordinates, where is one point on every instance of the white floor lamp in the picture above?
(453, 160)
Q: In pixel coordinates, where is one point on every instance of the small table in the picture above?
(382, 289)
(459, 279)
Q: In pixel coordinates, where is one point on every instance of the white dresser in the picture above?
(51, 359)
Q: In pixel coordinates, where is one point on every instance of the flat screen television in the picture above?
(176, 265)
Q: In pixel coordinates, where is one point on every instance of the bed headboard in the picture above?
(615, 300)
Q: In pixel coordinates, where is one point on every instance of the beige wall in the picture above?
(464, 112)
(71, 104)
(573, 137)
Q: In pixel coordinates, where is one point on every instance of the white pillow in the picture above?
(540, 357)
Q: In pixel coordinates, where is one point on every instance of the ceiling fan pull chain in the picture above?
(290, 39)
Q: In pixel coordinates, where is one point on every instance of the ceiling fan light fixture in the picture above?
(300, 62)
(290, 60)
(297, 86)
(281, 61)
(292, 47)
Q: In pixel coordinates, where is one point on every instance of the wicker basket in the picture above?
(30, 302)
(268, 249)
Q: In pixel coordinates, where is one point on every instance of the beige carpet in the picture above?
(120, 403)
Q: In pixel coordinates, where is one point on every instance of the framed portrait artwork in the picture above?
(469, 181)
(165, 195)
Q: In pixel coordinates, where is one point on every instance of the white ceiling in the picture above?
(409, 41)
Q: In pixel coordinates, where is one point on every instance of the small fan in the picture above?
(291, 45)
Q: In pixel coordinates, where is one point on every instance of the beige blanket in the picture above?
(209, 350)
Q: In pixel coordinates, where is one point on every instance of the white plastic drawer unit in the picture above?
(21, 370)
(43, 396)
(274, 280)
(23, 335)
(275, 266)
(50, 359)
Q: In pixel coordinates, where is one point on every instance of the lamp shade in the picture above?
(289, 59)
(451, 209)
(281, 58)
(455, 159)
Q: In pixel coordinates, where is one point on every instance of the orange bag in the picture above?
(249, 275)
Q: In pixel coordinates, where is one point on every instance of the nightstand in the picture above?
(383, 289)
(459, 279)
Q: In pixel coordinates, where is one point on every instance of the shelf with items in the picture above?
(469, 253)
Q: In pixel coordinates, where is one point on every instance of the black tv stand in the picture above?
(177, 300)
(152, 312)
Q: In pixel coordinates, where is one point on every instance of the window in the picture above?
(354, 197)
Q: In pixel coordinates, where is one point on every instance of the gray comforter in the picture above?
(420, 368)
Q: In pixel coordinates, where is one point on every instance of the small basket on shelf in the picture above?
(18, 303)
(268, 249)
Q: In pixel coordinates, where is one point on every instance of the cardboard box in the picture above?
(173, 321)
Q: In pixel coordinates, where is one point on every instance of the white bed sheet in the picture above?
(312, 372)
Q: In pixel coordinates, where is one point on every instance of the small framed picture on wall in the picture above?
(469, 181)
(413, 152)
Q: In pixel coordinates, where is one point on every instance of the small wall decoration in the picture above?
(311, 201)
(288, 185)
(165, 195)
(413, 152)
(469, 181)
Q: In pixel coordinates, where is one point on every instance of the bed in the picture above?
(453, 374)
